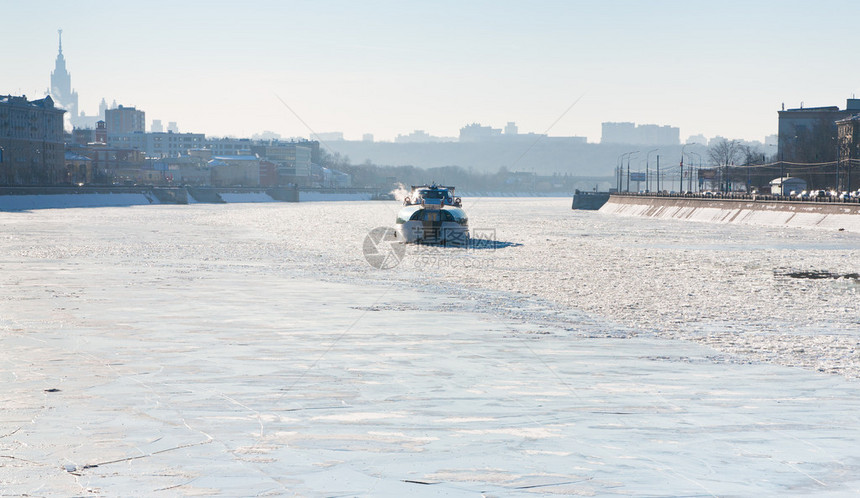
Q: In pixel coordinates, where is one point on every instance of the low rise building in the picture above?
(787, 185)
(235, 171)
(78, 169)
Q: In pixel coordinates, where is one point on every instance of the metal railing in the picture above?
(738, 196)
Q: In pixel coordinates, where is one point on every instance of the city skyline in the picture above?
(227, 69)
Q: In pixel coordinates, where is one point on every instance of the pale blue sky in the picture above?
(389, 67)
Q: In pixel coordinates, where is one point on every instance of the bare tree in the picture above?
(725, 152)
(751, 155)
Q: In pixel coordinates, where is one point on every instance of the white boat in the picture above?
(431, 214)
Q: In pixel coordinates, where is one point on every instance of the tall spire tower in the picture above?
(61, 84)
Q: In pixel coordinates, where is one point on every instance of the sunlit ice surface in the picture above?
(251, 349)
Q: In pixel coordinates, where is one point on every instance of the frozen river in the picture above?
(250, 349)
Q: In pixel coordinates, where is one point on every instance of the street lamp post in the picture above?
(681, 179)
(619, 170)
(628, 168)
(647, 173)
(691, 168)
(781, 177)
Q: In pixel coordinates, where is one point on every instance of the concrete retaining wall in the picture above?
(25, 198)
(831, 216)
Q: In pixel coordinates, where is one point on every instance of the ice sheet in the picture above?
(250, 349)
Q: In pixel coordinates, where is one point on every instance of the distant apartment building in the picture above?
(285, 151)
(229, 146)
(172, 144)
(123, 120)
(421, 136)
(771, 141)
(31, 142)
(647, 134)
(158, 145)
(476, 133)
(295, 167)
(696, 139)
(331, 136)
(417, 136)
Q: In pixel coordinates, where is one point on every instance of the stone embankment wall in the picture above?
(823, 215)
(25, 198)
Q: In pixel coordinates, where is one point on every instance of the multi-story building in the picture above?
(65, 97)
(123, 120)
(172, 144)
(158, 145)
(31, 141)
(228, 146)
(646, 134)
(476, 133)
(809, 134)
(61, 83)
(848, 130)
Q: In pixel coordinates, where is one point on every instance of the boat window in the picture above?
(459, 215)
(416, 216)
(407, 213)
(434, 194)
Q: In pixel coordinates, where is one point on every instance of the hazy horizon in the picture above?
(230, 69)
